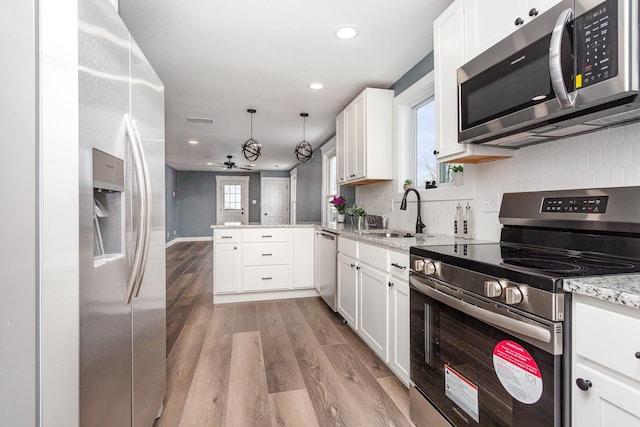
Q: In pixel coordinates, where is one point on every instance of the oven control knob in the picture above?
(512, 295)
(429, 267)
(492, 288)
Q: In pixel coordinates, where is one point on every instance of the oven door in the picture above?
(476, 373)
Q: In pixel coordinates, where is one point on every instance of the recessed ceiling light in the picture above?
(316, 86)
(209, 164)
(277, 166)
(193, 141)
(346, 33)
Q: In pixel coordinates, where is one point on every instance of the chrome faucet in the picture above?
(403, 206)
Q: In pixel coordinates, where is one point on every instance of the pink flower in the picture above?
(340, 203)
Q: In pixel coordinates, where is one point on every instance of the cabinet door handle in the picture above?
(396, 265)
(583, 384)
(226, 237)
(533, 12)
(267, 254)
(436, 152)
(357, 267)
(266, 235)
(353, 265)
(390, 284)
(267, 278)
(637, 354)
(519, 21)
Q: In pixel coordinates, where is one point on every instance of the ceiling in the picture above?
(219, 58)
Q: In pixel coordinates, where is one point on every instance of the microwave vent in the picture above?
(571, 130)
(625, 116)
(517, 140)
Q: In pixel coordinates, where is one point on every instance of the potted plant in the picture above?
(340, 203)
(407, 184)
(359, 213)
(457, 171)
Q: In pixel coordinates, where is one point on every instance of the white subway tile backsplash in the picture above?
(609, 158)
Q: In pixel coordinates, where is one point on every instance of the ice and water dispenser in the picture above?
(108, 188)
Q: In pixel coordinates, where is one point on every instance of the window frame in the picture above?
(404, 142)
(328, 150)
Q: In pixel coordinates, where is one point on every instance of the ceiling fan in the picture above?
(230, 164)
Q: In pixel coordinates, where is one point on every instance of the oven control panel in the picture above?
(583, 205)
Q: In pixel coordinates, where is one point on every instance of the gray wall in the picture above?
(170, 205)
(418, 71)
(274, 174)
(309, 190)
(195, 202)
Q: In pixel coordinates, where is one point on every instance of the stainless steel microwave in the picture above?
(574, 69)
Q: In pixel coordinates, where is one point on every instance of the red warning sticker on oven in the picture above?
(517, 371)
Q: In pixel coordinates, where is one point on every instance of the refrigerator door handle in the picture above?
(143, 212)
(147, 210)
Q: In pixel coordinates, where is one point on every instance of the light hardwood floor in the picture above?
(272, 363)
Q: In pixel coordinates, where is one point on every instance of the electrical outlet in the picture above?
(174, 232)
(167, 234)
(490, 204)
(174, 194)
(391, 209)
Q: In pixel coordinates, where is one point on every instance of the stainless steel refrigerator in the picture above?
(122, 244)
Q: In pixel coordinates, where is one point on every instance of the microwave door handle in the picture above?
(566, 99)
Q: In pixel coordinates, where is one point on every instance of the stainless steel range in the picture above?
(489, 334)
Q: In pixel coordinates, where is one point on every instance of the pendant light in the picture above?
(251, 148)
(304, 150)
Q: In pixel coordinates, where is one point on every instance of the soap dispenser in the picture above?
(467, 229)
(457, 222)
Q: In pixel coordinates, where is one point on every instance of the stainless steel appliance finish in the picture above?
(574, 69)
(326, 274)
(468, 300)
(122, 301)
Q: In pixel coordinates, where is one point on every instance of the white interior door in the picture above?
(232, 200)
(274, 193)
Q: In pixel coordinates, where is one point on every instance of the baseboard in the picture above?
(264, 296)
(189, 239)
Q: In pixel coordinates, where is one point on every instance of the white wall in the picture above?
(608, 158)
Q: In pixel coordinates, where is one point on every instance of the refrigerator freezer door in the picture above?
(105, 317)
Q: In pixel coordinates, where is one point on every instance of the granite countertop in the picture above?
(397, 243)
(621, 289)
(303, 225)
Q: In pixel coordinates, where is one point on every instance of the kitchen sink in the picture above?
(389, 234)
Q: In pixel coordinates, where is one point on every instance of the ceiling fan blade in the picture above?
(244, 168)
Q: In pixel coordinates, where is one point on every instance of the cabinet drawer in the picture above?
(261, 278)
(226, 235)
(399, 264)
(266, 253)
(608, 338)
(266, 235)
(348, 247)
(374, 256)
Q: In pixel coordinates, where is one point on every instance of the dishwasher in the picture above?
(326, 277)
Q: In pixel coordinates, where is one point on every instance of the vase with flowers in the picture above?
(340, 203)
(359, 214)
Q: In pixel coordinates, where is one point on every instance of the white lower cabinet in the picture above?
(373, 309)
(399, 327)
(373, 297)
(605, 377)
(252, 260)
(348, 289)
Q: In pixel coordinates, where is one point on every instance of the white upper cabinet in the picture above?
(449, 47)
(364, 138)
(487, 23)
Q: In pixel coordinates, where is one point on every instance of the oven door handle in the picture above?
(526, 329)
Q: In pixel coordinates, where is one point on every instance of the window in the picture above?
(416, 143)
(427, 167)
(330, 180)
(232, 196)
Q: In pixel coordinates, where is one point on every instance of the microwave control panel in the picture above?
(588, 205)
(597, 44)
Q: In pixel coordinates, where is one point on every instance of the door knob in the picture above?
(519, 21)
(583, 385)
(265, 214)
(533, 12)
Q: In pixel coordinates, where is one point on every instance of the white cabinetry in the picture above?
(605, 363)
(373, 290)
(364, 138)
(348, 281)
(373, 301)
(487, 24)
(303, 257)
(448, 48)
(399, 315)
(251, 261)
(227, 255)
